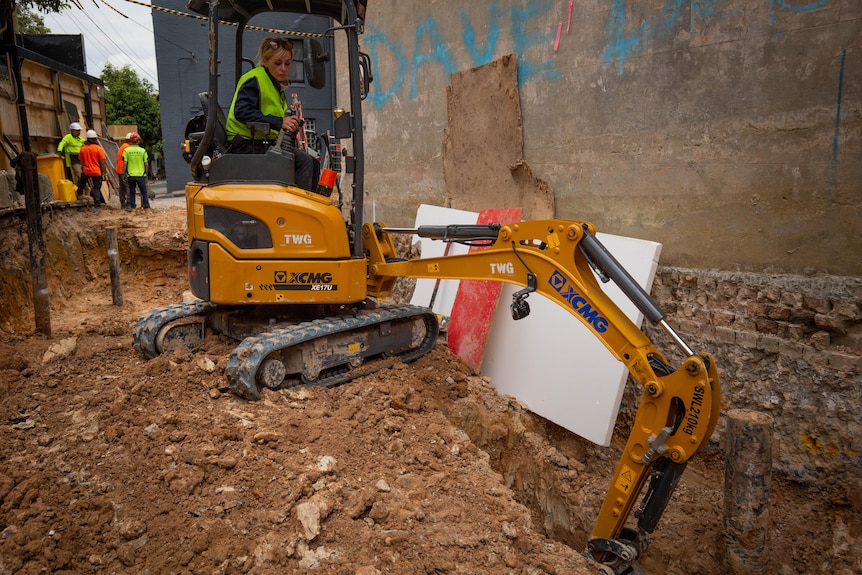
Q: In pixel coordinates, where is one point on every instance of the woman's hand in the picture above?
(290, 123)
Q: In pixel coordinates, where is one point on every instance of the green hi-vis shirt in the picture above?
(136, 159)
(272, 103)
(70, 145)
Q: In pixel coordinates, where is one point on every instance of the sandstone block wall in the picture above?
(790, 346)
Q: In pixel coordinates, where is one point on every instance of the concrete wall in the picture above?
(729, 131)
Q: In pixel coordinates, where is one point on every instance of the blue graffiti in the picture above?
(834, 181)
(430, 50)
(374, 43)
(523, 42)
(438, 52)
(784, 5)
(704, 8)
(623, 44)
(433, 51)
(481, 58)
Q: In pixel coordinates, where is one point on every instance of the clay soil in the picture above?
(112, 463)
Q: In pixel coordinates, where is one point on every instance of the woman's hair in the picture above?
(270, 46)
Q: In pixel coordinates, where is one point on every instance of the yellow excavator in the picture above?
(299, 285)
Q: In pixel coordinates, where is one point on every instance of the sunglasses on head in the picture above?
(281, 43)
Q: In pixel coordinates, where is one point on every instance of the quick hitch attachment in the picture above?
(520, 307)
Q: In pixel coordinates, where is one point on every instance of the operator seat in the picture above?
(196, 128)
(226, 168)
(220, 136)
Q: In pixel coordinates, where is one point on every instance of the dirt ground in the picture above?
(115, 464)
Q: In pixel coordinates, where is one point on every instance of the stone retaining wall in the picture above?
(790, 346)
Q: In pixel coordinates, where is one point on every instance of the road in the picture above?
(164, 198)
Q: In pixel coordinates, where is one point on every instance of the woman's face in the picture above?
(278, 64)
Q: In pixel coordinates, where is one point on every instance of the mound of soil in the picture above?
(112, 463)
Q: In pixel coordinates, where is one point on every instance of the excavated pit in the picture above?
(421, 468)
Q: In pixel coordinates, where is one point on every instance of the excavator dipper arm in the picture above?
(558, 258)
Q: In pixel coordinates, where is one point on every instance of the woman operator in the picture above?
(259, 97)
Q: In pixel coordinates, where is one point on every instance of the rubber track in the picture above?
(248, 355)
(145, 331)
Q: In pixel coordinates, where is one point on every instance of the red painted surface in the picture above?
(475, 302)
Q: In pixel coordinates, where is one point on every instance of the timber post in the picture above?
(747, 485)
(114, 263)
(27, 183)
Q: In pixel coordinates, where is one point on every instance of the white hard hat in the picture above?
(92, 135)
(75, 126)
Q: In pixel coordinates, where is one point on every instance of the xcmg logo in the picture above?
(578, 302)
(304, 281)
(303, 278)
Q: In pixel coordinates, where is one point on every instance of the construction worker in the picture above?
(69, 146)
(136, 167)
(259, 97)
(121, 173)
(94, 165)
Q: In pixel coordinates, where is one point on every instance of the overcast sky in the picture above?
(115, 31)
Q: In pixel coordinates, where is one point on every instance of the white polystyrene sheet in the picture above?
(428, 215)
(554, 364)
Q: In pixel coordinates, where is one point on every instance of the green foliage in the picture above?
(46, 6)
(132, 100)
(30, 22)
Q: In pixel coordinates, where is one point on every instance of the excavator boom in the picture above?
(560, 260)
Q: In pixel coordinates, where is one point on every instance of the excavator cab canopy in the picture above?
(349, 16)
(243, 10)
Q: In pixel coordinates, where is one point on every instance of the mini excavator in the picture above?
(299, 285)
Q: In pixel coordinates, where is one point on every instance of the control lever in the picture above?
(285, 144)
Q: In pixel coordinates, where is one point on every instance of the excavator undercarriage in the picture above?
(300, 349)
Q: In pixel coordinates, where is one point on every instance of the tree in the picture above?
(30, 22)
(11, 9)
(46, 6)
(132, 100)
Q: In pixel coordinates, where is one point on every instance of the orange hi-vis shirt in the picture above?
(120, 165)
(90, 155)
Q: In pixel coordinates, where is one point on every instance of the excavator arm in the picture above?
(558, 258)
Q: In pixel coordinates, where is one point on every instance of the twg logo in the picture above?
(298, 239)
(504, 268)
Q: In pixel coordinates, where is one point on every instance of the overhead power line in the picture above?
(99, 42)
